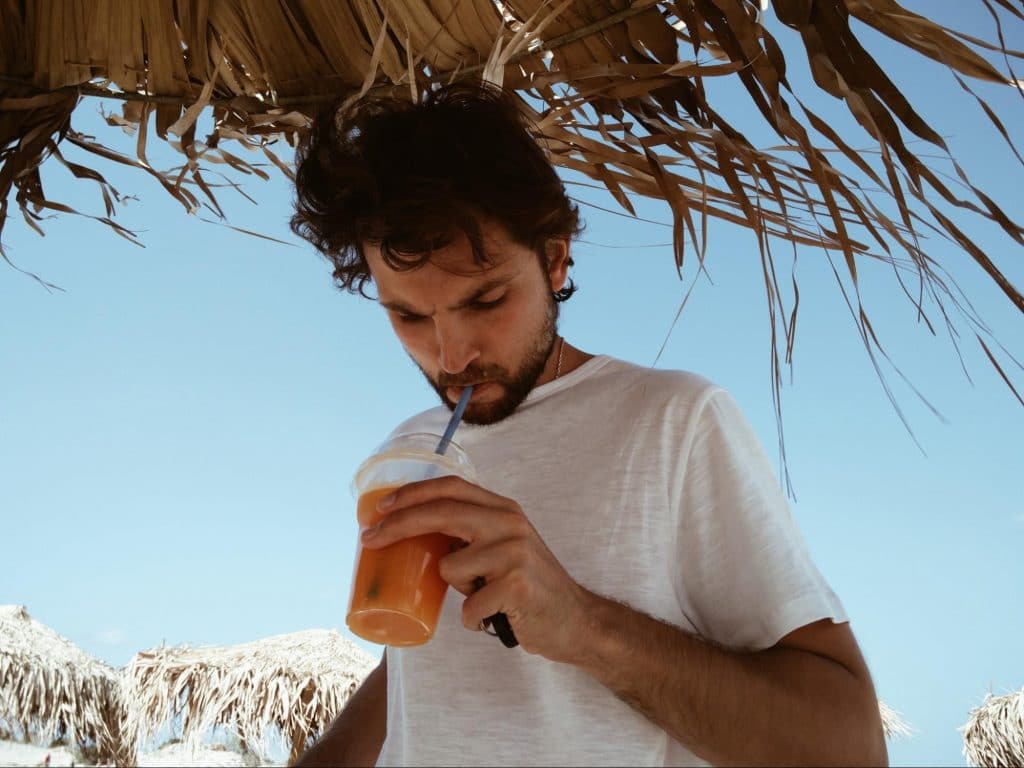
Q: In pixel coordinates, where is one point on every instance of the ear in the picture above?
(557, 254)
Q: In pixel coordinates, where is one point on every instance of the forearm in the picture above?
(778, 706)
(357, 734)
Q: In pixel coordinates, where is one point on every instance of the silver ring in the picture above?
(488, 630)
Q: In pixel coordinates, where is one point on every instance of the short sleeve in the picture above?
(744, 569)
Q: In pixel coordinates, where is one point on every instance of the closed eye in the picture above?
(483, 306)
(405, 317)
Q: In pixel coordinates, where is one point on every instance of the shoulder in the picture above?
(666, 410)
(644, 387)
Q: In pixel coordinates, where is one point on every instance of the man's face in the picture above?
(491, 325)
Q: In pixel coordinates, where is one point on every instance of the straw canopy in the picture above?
(892, 723)
(52, 690)
(994, 734)
(295, 683)
(626, 93)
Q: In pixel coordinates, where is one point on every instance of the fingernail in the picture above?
(386, 502)
(370, 533)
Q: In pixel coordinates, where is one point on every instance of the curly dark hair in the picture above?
(411, 176)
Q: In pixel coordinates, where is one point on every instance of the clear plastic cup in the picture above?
(397, 591)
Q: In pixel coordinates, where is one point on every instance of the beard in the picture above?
(517, 384)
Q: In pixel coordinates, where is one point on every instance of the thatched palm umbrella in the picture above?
(994, 734)
(892, 723)
(50, 689)
(623, 92)
(295, 683)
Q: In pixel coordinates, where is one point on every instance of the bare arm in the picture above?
(357, 734)
(807, 700)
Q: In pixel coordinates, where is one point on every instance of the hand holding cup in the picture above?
(545, 607)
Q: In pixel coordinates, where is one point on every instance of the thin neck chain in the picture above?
(561, 349)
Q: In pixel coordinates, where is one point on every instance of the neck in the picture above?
(572, 359)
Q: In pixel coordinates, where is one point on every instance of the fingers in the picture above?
(491, 562)
(483, 604)
(449, 487)
(452, 518)
(459, 519)
(491, 577)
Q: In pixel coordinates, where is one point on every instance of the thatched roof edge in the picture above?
(296, 683)
(618, 94)
(994, 732)
(49, 688)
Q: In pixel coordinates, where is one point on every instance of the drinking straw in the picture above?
(453, 422)
(499, 620)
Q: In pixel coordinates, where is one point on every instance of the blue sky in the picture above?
(179, 425)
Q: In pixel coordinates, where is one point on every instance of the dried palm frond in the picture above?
(892, 722)
(295, 683)
(994, 733)
(52, 690)
(623, 92)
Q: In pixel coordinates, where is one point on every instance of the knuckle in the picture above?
(514, 552)
(517, 522)
(511, 505)
(519, 585)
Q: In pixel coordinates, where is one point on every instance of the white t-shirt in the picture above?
(651, 488)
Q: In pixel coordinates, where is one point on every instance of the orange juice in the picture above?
(397, 591)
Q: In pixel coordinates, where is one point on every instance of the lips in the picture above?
(455, 391)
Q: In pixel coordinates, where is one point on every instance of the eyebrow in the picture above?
(490, 285)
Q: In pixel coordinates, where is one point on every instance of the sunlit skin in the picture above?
(490, 325)
(809, 699)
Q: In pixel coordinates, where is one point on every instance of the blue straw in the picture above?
(453, 422)
(499, 620)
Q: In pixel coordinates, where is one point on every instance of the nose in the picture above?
(456, 348)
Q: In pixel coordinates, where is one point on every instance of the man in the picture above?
(627, 522)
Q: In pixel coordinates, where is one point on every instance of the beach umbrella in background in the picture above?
(892, 723)
(293, 685)
(50, 690)
(994, 734)
(695, 103)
